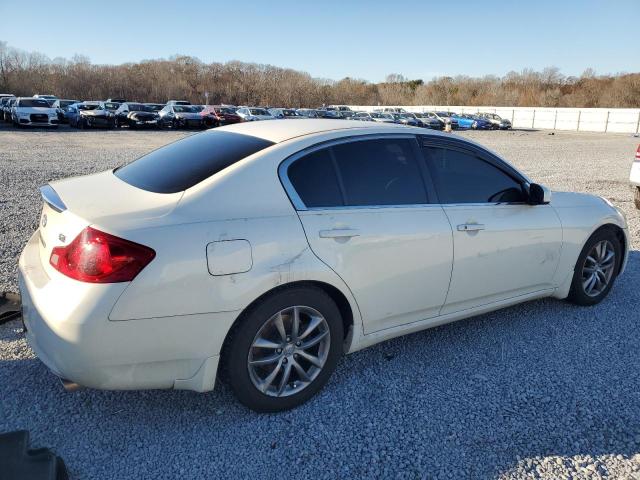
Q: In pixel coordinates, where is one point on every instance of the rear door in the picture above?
(503, 246)
(366, 208)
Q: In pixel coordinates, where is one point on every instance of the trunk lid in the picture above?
(100, 199)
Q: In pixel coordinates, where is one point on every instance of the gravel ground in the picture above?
(542, 390)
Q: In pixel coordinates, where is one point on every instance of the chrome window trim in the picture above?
(51, 198)
(297, 202)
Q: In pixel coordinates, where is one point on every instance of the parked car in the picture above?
(247, 247)
(33, 112)
(7, 107)
(136, 115)
(4, 102)
(382, 117)
(447, 118)
(479, 123)
(6, 95)
(284, 113)
(93, 115)
(340, 108)
(227, 114)
(49, 98)
(178, 102)
(251, 114)
(307, 112)
(634, 178)
(363, 116)
(496, 120)
(390, 110)
(61, 106)
(406, 119)
(430, 120)
(180, 116)
(328, 113)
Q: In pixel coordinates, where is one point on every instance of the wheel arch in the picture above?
(347, 314)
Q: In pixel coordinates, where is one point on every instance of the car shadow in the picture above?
(476, 398)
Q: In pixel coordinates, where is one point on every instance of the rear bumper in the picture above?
(67, 325)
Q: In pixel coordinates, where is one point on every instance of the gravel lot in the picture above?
(542, 390)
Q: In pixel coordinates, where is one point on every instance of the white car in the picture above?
(266, 250)
(634, 178)
(250, 114)
(34, 112)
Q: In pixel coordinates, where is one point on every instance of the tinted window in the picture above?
(182, 164)
(380, 172)
(314, 178)
(465, 178)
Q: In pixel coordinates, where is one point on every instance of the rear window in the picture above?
(180, 165)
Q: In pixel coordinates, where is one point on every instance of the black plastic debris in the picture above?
(9, 307)
(18, 462)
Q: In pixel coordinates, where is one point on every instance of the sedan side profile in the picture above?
(262, 252)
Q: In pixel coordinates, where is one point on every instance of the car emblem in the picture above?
(44, 220)
(62, 238)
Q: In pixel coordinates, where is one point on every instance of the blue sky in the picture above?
(335, 39)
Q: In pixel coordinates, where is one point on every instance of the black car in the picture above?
(181, 116)
(136, 115)
(62, 107)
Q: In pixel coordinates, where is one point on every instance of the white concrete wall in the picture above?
(619, 120)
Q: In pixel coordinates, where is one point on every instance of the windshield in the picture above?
(185, 109)
(111, 105)
(228, 111)
(88, 106)
(33, 102)
(66, 103)
(289, 113)
(155, 107)
(258, 111)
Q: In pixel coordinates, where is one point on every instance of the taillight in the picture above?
(98, 257)
(638, 154)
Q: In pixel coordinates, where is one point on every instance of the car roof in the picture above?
(277, 131)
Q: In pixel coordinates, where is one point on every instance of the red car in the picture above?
(216, 115)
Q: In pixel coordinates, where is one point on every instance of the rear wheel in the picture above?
(636, 197)
(284, 349)
(597, 268)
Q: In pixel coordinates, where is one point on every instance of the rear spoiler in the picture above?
(51, 198)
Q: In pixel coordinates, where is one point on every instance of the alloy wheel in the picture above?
(598, 268)
(289, 351)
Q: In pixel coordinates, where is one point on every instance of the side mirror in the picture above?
(539, 194)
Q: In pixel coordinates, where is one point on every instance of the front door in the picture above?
(503, 247)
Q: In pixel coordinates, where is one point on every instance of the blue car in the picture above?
(474, 122)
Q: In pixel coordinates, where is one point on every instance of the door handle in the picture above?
(470, 227)
(339, 233)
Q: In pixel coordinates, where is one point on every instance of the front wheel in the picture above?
(284, 349)
(597, 268)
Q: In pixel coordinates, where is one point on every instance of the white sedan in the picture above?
(264, 251)
(33, 112)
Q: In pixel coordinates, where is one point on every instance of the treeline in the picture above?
(239, 83)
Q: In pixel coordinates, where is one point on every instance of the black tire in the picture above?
(236, 352)
(577, 294)
(636, 197)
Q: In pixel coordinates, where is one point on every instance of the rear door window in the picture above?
(182, 164)
(375, 172)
